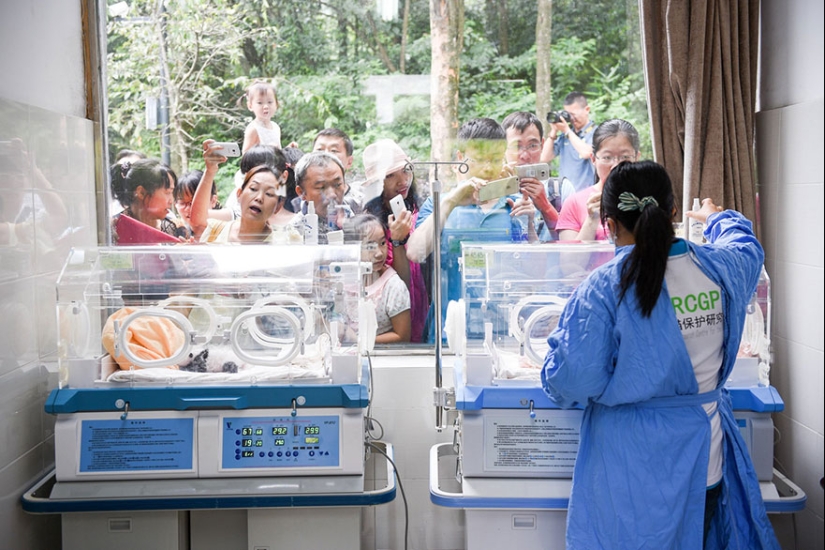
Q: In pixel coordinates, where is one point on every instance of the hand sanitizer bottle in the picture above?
(311, 225)
(697, 228)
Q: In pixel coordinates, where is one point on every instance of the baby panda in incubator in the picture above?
(214, 359)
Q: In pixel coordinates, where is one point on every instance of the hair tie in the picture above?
(124, 168)
(629, 202)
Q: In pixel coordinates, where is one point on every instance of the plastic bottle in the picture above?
(697, 228)
(311, 225)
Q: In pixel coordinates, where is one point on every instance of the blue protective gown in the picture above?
(641, 471)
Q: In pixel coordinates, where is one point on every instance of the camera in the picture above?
(556, 116)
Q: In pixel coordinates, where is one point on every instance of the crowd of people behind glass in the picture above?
(502, 191)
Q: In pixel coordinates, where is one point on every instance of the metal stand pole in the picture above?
(435, 188)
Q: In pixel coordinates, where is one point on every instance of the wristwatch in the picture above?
(400, 243)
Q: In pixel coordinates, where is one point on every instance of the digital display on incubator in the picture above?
(263, 442)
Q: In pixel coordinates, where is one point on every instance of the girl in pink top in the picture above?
(614, 141)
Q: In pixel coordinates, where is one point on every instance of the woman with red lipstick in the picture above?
(385, 161)
(259, 197)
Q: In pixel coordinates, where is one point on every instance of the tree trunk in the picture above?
(447, 35)
(342, 33)
(379, 46)
(543, 89)
(503, 28)
(405, 26)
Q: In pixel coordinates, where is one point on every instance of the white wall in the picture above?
(790, 145)
(41, 103)
(42, 61)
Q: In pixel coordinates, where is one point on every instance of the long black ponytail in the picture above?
(639, 195)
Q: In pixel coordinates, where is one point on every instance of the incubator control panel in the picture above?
(280, 442)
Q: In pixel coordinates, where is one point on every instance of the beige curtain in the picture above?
(700, 67)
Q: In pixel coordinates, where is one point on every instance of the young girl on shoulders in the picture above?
(263, 102)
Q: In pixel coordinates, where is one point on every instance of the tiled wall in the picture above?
(47, 197)
(790, 159)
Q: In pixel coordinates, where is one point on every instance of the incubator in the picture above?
(511, 461)
(753, 363)
(202, 377)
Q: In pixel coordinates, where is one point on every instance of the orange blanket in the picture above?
(149, 338)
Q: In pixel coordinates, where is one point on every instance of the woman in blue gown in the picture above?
(645, 344)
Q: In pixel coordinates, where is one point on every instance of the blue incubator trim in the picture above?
(46, 506)
(515, 503)
(756, 399)
(475, 398)
(187, 398)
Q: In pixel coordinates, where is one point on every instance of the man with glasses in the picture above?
(573, 146)
(525, 139)
(465, 216)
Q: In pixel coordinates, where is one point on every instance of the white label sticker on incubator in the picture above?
(545, 444)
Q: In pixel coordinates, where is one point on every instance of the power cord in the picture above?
(380, 451)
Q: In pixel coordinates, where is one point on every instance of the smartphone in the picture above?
(540, 171)
(498, 188)
(227, 149)
(397, 205)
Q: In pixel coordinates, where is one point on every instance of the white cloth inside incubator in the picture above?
(514, 366)
(309, 365)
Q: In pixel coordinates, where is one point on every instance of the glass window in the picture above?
(178, 73)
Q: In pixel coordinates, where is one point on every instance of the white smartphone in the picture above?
(227, 149)
(540, 171)
(397, 205)
(498, 188)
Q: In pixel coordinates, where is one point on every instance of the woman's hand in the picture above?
(401, 227)
(594, 205)
(704, 213)
(210, 157)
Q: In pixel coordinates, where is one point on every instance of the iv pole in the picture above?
(435, 189)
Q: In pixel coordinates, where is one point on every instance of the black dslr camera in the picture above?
(556, 116)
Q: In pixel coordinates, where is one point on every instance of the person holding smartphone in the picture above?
(388, 166)
(464, 212)
(525, 139)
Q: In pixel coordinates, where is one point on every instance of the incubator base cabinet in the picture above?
(511, 462)
(196, 379)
